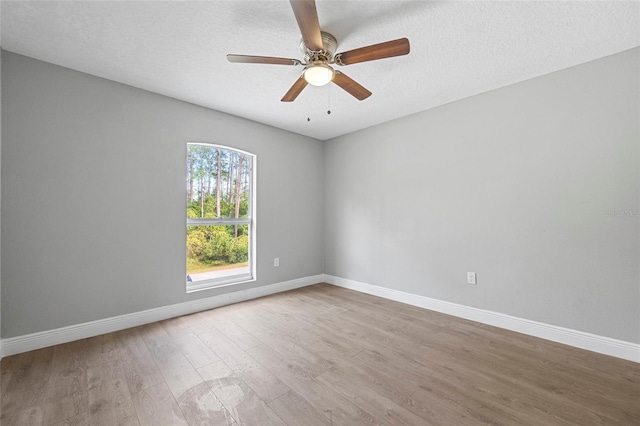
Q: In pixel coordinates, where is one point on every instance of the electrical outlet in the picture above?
(276, 261)
(471, 278)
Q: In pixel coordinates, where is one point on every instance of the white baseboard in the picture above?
(20, 344)
(604, 345)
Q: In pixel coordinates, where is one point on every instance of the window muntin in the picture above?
(220, 228)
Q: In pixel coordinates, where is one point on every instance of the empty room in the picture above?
(319, 213)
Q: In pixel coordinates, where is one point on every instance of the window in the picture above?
(220, 210)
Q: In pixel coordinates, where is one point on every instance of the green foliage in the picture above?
(194, 208)
(239, 249)
(216, 245)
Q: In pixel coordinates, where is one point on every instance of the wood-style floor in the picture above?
(320, 355)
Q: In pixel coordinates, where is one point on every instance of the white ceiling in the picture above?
(178, 48)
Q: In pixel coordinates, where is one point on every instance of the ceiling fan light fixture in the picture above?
(318, 74)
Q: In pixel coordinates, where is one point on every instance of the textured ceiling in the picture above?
(458, 49)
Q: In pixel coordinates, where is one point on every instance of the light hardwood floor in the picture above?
(320, 355)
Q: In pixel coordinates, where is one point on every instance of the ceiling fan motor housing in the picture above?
(324, 56)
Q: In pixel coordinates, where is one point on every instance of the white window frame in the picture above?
(250, 221)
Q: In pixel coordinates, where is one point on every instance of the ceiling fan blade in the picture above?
(351, 86)
(307, 17)
(249, 59)
(387, 49)
(295, 90)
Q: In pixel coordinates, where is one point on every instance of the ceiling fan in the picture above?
(319, 54)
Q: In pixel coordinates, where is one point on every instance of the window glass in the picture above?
(220, 205)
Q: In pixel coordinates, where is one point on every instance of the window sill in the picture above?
(217, 283)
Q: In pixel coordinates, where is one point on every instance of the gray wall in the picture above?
(522, 185)
(93, 197)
